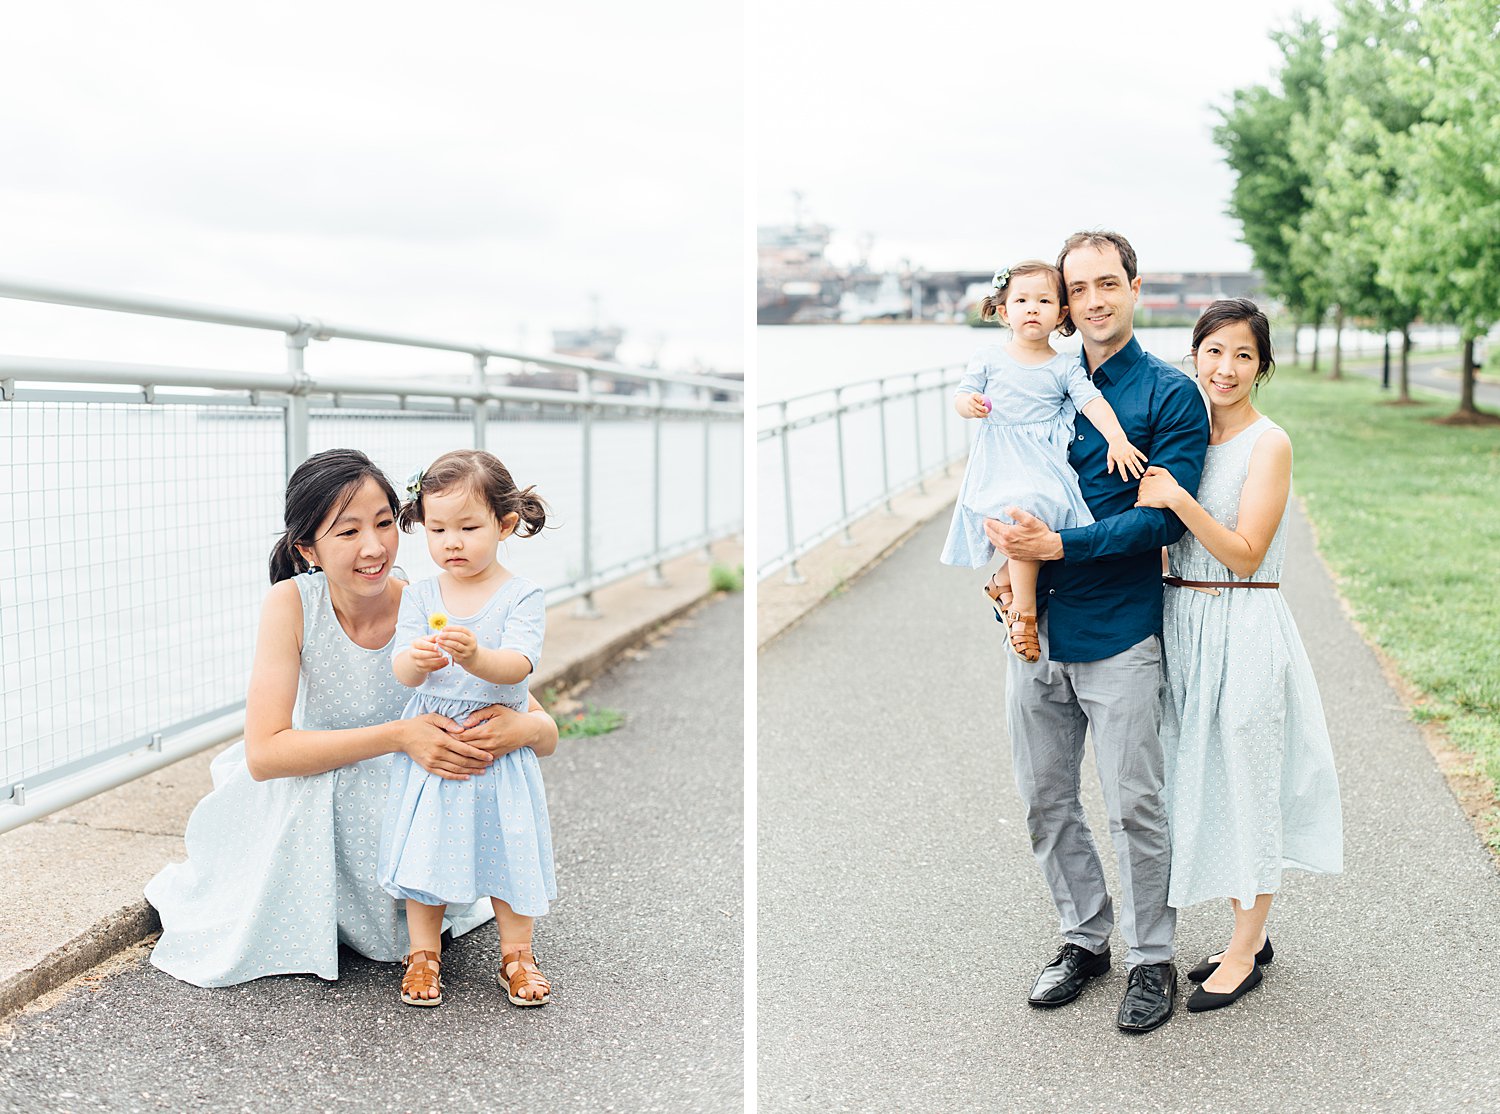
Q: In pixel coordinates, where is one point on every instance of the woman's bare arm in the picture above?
(274, 749)
(1262, 502)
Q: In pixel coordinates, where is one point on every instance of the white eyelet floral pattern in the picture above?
(280, 872)
(1251, 788)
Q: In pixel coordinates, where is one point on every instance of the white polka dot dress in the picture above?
(280, 872)
(1251, 788)
(450, 841)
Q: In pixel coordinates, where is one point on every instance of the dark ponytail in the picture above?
(322, 485)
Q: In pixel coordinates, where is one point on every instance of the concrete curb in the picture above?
(832, 566)
(131, 816)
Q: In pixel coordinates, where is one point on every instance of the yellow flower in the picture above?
(437, 621)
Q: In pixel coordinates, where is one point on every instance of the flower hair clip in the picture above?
(1002, 276)
(414, 485)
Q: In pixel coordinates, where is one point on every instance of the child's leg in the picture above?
(515, 936)
(999, 582)
(1023, 576)
(424, 924)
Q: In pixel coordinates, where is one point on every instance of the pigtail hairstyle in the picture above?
(995, 302)
(488, 478)
(321, 485)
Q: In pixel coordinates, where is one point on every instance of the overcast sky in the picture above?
(964, 135)
(464, 169)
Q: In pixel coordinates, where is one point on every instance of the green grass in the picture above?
(1406, 517)
(591, 721)
(722, 578)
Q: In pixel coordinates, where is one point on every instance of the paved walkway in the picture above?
(644, 946)
(902, 917)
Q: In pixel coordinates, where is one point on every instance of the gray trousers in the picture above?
(1048, 707)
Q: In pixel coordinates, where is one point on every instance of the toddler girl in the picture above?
(466, 639)
(1026, 394)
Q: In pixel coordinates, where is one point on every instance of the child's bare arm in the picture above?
(971, 405)
(500, 667)
(412, 665)
(1122, 454)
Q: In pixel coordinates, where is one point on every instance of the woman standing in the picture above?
(1250, 783)
(282, 854)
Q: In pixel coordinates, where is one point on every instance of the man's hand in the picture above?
(1028, 540)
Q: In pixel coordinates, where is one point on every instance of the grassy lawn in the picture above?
(1407, 517)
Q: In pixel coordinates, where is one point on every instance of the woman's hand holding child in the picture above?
(1158, 489)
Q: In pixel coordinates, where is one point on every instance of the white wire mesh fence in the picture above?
(138, 527)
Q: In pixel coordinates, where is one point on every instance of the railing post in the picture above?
(792, 575)
(838, 429)
(481, 407)
(916, 414)
(295, 433)
(885, 463)
(943, 420)
(708, 532)
(585, 608)
(656, 578)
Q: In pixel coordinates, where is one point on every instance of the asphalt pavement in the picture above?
(644, 947)
(902, 918)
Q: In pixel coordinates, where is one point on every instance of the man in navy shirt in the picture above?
(1100, 618)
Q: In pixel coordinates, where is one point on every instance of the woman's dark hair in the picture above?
(992, 305)
(484, 475)
(1099, 239)
(1229, 311)
(323, 484)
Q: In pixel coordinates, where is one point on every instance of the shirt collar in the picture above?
(1118, 367)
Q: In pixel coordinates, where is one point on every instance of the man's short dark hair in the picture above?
(1100, 239)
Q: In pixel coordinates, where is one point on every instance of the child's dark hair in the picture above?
(1229, 311)
(992, 305)
(484, 475)
(321, 485)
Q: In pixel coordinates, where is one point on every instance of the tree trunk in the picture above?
(1317, 336)
(1405, 390)
(1466, 393)
(1338, 345)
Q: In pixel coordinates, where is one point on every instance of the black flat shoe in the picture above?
(1149, 992)
(1206, 969)
(1063, 979)
(1202, 1000)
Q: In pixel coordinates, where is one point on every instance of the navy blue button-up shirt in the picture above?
(1104, 596)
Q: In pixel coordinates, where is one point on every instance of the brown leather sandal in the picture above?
(422, 975)
(999, 597)
(1026, 642)
(527, 976)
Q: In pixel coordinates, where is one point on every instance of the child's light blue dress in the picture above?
(450, 842)
(279, 873)
(1020, 453)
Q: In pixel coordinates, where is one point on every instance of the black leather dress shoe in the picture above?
(1062, 980)
(1202, 1000)
(1206, 969)
(1149, 991)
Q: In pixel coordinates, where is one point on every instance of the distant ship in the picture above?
(795, 284)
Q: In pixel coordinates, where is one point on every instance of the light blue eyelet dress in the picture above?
(445, 841)
(1020, 452)
(1250, 784)
(280, 872)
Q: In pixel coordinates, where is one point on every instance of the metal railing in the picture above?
(878, 438)
(141, 502)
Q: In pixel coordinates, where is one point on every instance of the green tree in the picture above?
(1443, 249)
(1338, 142)
(1270, 190)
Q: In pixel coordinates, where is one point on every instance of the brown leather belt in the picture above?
(1178, 582)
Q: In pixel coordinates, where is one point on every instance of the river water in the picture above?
(807, 363)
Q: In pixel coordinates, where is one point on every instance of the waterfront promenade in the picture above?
(902, 917)
(644, 945)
